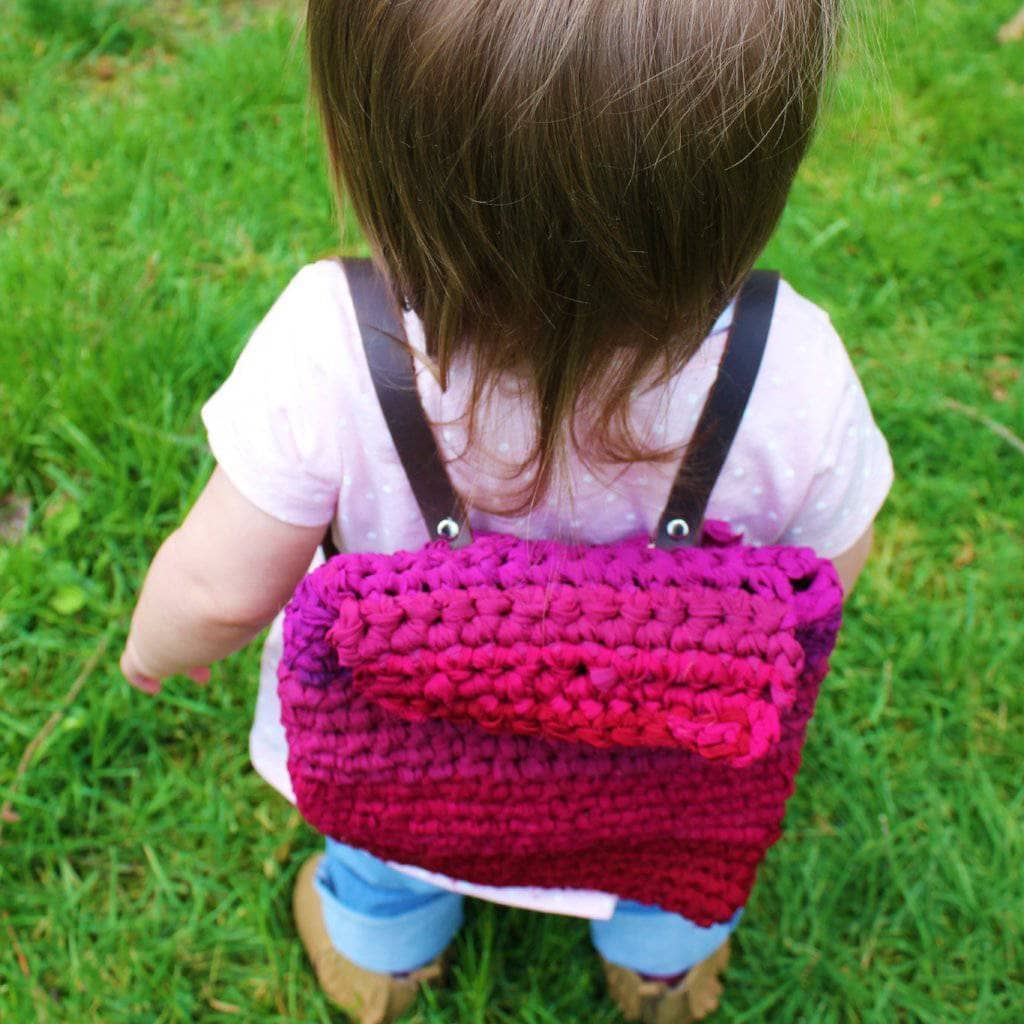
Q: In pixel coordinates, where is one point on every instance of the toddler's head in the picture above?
(570, 188)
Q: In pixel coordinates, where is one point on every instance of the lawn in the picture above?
(160, 181)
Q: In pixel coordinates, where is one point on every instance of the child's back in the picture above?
(567, 195)
(298, 428)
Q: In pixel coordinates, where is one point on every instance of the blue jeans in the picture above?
(386, 921)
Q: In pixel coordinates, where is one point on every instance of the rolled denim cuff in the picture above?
(653, 941)
(381, 919)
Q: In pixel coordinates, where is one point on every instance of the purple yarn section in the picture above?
(612, 717)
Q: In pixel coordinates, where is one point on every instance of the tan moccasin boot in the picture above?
(367, 996)
(653, 1002)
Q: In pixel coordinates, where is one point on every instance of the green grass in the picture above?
(160, 180)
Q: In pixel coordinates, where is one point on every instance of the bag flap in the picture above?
(607, 645)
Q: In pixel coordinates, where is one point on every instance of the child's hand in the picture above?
(132, 670)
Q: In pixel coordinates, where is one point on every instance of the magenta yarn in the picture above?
(612, 717)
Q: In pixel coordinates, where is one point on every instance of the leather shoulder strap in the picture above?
(392, 369)
(680, 523)
(390, 360)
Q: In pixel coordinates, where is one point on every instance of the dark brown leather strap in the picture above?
(680, 523)
(391, 366)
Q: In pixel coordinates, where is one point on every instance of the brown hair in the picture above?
(568, 189)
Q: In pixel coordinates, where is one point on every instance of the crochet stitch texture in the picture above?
(613, 717)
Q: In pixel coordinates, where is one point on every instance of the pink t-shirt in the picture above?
(298, 430)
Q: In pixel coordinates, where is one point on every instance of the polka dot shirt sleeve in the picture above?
(851, 477)
(274, 425)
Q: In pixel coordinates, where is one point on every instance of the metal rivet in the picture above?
(448, 528)
(677, 528)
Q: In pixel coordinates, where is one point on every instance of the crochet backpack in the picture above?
(623, 717)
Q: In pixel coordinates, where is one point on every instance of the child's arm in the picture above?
(850, 563)
(217, 581)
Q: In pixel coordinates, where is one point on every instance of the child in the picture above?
(566, 194)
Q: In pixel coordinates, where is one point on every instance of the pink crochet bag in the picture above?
(623, 717)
